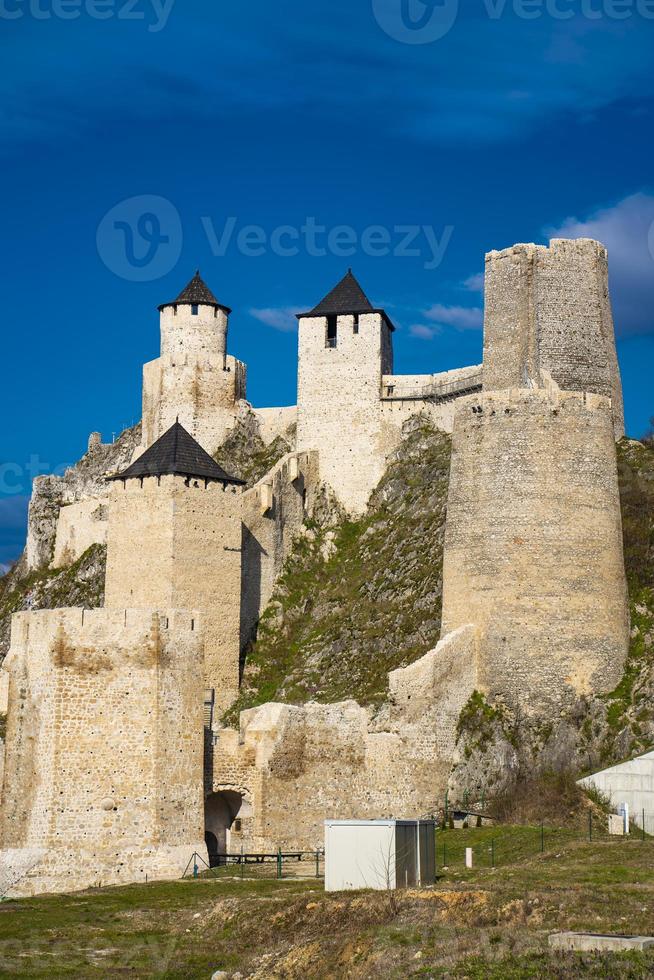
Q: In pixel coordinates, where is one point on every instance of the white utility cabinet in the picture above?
(379, 854)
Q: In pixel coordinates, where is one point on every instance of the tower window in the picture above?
(194, 309)
(355, 326)
(331, 330)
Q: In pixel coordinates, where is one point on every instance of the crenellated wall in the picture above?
(549, 309)
(533, 545)
(103, 781)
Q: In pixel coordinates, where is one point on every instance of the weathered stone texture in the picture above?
(177, 543)
(298, 766)
(549, 309)
(533, 545)
(273, 513)
(194, 380)
(79, 526)
(104, 745)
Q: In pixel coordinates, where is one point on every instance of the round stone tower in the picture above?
(194, 379)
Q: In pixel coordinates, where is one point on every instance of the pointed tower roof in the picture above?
(176, 453)
(196, 292)
(347, 296)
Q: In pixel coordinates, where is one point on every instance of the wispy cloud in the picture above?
(461, 317)
(474, 283)
(627, 230)
(424, 331)
(279, 318)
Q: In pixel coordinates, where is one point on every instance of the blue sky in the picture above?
(462, 127)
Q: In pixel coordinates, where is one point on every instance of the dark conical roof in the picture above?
(346, 297)
(176, 453)
(196, 292)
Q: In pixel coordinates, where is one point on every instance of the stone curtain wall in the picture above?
(170, 544)
(274, 511)
(104, 746)
(80, 525)
(193, 379)
(549, 309)
(298, 766)
(339, 390)
(533, 545)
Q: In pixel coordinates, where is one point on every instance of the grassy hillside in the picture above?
(482, 924)
(363, 597)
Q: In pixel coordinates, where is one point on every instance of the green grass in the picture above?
(482, 922)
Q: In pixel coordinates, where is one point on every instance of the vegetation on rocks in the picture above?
(79, 584)
(359, 598)
(245, 455)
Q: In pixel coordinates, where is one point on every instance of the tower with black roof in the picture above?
(344, 351)
(194, 378)
(174, 542)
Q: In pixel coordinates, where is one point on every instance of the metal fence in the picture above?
(280, 864)
(497, 845)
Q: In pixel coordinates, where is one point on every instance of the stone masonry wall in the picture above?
(194, 379)
(104, 746)
(549, 309)
(533, 545)
(274, 511)
(297, 766)
(338, 402)
(80, 525)
(179, 545)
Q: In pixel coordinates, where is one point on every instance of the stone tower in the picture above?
(174, 541)
(549, 309)
(345, 348)
(194, 379)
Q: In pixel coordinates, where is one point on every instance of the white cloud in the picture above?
(4, 568)
(461, 317)
(424, 331)
(282, 318)
(475, 283)
(627, 230)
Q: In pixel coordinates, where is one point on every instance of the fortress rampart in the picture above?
(103, 780)
(533, 545)
(549, 309)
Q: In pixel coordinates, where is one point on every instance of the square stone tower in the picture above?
(345, 349)
(194, 379)
(174, 540)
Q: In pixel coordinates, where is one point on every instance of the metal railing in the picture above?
(278, 864)
(435, 391)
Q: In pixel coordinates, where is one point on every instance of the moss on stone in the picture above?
(363, 597)
(245, 455)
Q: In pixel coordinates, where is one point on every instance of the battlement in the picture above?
(548, 308)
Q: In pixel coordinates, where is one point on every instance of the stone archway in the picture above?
(220, 811)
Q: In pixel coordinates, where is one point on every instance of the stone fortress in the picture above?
(117, 765)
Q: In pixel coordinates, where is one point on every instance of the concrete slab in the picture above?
(589, 942)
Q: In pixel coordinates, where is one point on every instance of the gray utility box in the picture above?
(380, 854)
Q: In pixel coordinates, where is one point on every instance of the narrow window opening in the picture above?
(194, 309)
(332, 322)
(355, 325)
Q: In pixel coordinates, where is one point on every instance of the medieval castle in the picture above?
(117, 765)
